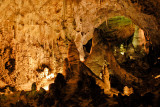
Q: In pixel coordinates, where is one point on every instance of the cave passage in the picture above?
(122, 47)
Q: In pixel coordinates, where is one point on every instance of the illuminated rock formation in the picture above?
(41, 38)
(35, 32)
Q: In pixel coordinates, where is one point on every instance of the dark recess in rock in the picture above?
(8, 48)
(148, 6)
(34, 86)
(42, 66)
(115, 83)
(88, 46)
(10, 65)
(13, 89)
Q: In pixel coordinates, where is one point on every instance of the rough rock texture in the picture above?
(116, 30)
(102, 55)
(33, 32)
(74, 69)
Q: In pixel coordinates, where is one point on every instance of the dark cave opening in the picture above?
(42, 67)
(10, 65)
(88, 46)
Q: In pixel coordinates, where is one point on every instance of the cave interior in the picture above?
(79, 53)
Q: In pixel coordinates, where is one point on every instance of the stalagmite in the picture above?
(105, 78)
(79, 45)
(138, 38)
(73, 73)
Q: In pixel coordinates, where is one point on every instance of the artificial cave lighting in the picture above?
(50, 76)
(46, 72)
(158, 76)
(128, 91)
(46, 88)
(46, 79)
(122, 49)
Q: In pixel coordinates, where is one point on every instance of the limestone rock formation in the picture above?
(35, 32)
(101, 52)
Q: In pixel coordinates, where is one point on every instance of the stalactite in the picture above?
(14, 31)
(64, 9)
(96, 1)
(76, 1)
(72, 8)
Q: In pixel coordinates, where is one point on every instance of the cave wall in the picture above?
(28, 34)
(35, 32)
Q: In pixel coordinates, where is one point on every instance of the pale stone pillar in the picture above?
(79, 45)
(105, 78)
